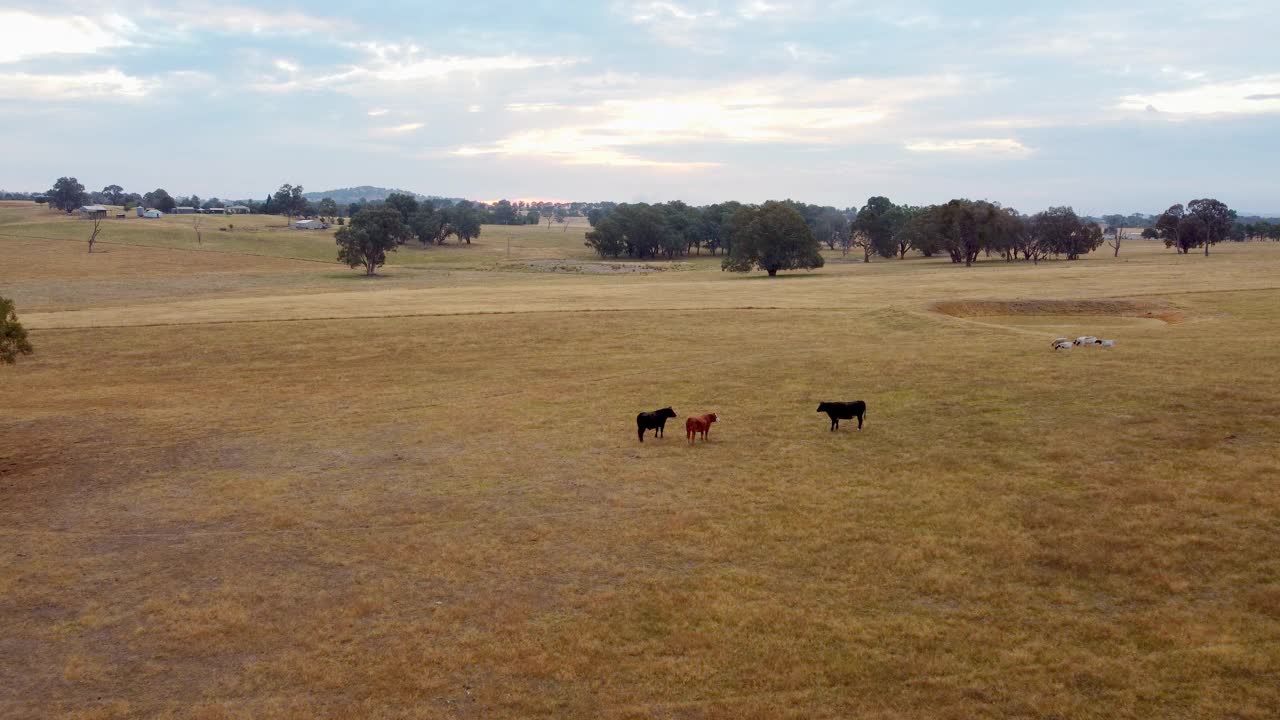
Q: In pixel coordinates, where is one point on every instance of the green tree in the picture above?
(114, 194)
(288, 201)
(607, 238)
(464, 220)
(429, 225)
(772, 237)
(959, 225)
(1215, 218)
(371, 234)
(876, 225)
(405, 203)
(160, 200)
(504, 213)
(905, 234)
(13, 337)
(1062, 232)
(67, 194)
(830, 226)
(327, 207)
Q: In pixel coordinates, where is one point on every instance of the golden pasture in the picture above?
(238, 480)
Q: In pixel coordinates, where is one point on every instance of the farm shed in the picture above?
(92, 211)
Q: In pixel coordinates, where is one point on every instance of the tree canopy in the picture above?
(160, 200)
(67, 194)
(13, 337)
(1215, 218)
(370, 235)
(288, 200)
(772, 237)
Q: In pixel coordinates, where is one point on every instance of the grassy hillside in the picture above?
(240, 484)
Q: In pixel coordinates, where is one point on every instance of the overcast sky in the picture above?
(1106, 106)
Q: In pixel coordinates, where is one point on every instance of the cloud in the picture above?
(379, 112)
(753, 9)
(784, 110)
(1250, 96)
(575, 146)
(25, 35)
(287, 66)
(986, 146)
(233, 19)
(104, 84)
(679, 25)
(407, 63)
(400, 129)
(400, 65)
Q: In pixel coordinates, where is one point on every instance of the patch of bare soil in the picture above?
(1113, 308)
(593, 268)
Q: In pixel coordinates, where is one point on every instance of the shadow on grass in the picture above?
(358, 275)
(795, 275)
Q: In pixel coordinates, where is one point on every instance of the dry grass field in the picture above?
(240, 481)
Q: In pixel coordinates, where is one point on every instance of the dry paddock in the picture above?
(207, 515)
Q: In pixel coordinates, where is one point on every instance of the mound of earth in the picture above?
(592, 268)
(1042, 308)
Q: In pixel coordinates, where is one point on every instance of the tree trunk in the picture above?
(1206, 248)
(773, 272)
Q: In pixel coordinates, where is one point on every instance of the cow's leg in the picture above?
(859, 422)
(640, 432)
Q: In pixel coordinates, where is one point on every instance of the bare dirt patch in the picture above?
(592, 268)
(1041, 308)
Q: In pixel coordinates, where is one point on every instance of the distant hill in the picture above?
(346, 196)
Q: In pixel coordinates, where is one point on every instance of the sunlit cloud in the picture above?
(400, 129)
(1250, 96)
(26, 35)
(777, 110)
(574, 146)
(752, 9)
(406, 63)
(287, 66)
(677, 24)
(105, 84)
(379, 112)
(984, 146)
(233, 19)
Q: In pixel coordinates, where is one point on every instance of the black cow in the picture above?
(838, 411)
(655, 421)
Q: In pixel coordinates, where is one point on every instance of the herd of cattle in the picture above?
(837, 411)
(701, 424)
(1065, 344)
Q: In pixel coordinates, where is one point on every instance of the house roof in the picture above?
(92, 208)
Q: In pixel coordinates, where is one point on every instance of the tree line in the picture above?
(962, 230)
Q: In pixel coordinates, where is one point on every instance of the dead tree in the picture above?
(93, 236)
(1117, 235)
